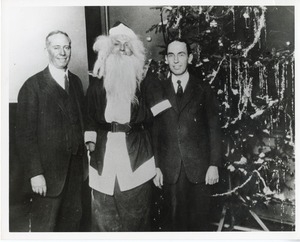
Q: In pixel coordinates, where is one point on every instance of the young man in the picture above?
(50, 139)
(187, 143)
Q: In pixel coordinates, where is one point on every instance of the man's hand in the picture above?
(90, 146)
(212, 175)
(158, 179)
(38, 184)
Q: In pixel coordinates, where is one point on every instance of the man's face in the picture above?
(177, 57)
(121, 45)
(59, 51)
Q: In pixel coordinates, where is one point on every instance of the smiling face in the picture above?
(59, 50)
(121, 45)
(178, 58)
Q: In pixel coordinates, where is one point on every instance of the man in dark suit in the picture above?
(50, 139)
(187, 143)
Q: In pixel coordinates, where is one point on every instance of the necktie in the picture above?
(66, 84)
(179, 89)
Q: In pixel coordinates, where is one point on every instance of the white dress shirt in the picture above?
(184, 78)
(58, 75)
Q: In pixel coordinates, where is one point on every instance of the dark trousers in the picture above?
(61, 213)
(124, 211)
(187, 205)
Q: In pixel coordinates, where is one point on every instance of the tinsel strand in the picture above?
(233, 18)
(239, 79)
(283, 73)
(237, 187)
(261, 25)
(276, 75)
(293, 98)
(215, 72)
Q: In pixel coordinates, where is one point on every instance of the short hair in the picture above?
(188, 47)
(54, 33)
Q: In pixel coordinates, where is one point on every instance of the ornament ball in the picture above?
(149, 39)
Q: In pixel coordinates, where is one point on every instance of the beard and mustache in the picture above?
(122, 74)
(121, 77)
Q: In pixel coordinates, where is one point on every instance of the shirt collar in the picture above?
(183, 78)
(56, 73)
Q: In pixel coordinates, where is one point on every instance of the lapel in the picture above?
(190, 90)
(170, 92)
(51, 87)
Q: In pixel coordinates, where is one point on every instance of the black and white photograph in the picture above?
(170, 120)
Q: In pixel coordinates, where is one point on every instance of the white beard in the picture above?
(120, 77)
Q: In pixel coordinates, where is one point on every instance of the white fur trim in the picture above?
(117, 165)
(121, 29)
(104, 184)
(90, 136)
(141, 175)
(158, 108)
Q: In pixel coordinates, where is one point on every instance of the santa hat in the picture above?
(121, 29)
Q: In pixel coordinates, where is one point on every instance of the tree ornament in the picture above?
(200, 10)
(207, 17)
(220, 42)
(213, 24)
(246, 16)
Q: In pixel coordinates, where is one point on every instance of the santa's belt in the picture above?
(117, 127)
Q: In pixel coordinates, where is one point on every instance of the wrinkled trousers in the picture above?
(124, 211)
(61, 213)
(186, 205)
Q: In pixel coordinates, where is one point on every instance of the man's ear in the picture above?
(166, 60)
(190, 58)
(46, 52)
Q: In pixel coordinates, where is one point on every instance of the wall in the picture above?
(28, 27)
(140, 19)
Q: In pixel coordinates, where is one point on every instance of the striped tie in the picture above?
(67, 85)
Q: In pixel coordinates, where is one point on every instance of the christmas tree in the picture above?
(254, 82)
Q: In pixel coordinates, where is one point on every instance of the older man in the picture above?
(117, 135)
(50, 139)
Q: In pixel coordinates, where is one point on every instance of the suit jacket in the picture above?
(49, 128)
(189, 133)
(138, 142)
